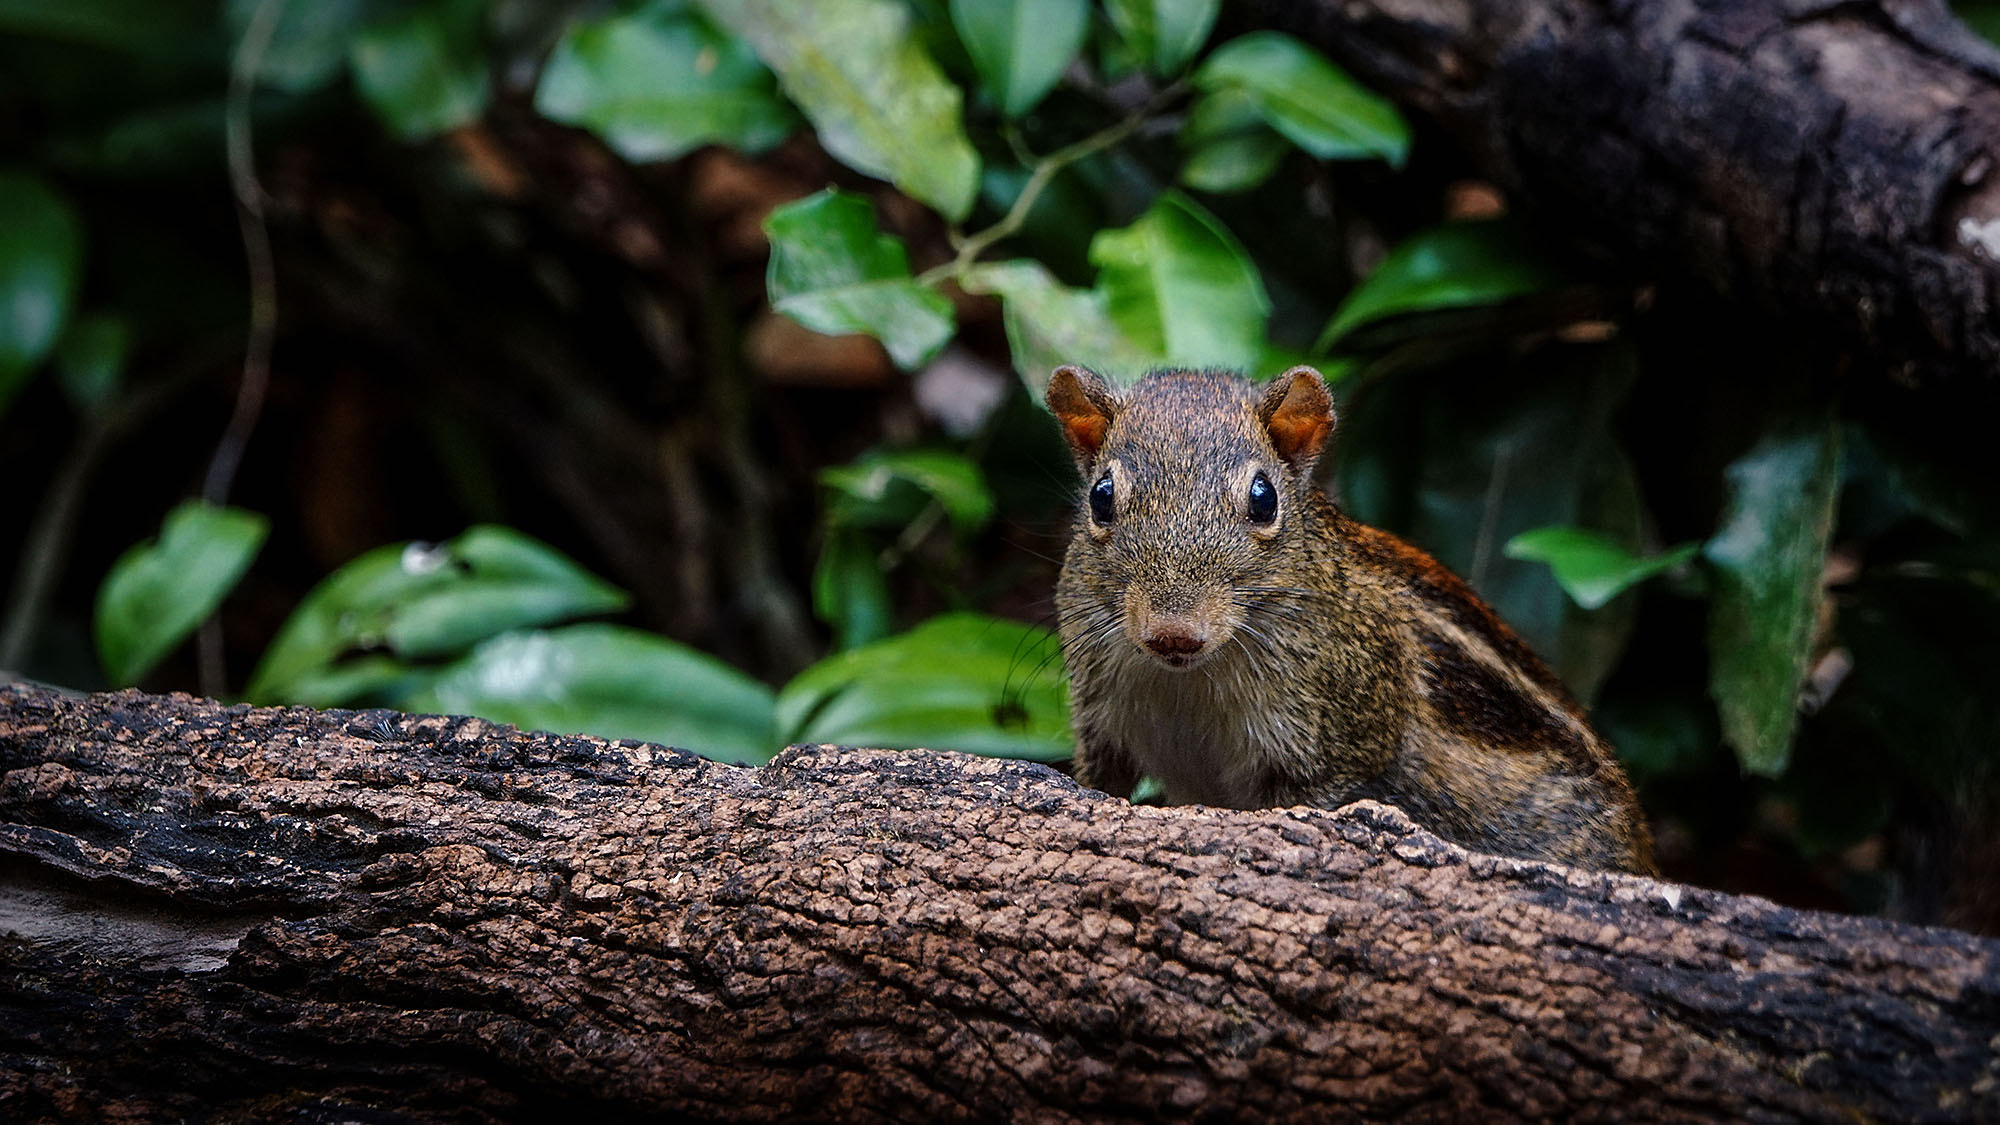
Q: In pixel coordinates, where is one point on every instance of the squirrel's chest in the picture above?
(1204, 734)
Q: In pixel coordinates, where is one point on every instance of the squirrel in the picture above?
(1230, 633)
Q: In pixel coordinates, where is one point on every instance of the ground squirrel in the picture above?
(1229, 632)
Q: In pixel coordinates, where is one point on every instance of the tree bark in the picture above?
(251, 914)
(1830, 161)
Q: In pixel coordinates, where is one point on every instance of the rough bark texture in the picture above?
(1831, 160)
(264, 914)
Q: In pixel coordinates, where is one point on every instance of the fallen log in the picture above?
(1832, 162)
(239, 913)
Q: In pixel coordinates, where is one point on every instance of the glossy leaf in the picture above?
(1181, 287)
(1050, 324)
(833, 271)
(41, 255)
(1315, 104)
(1591, 567)
(1164, 33)
(850, 591)
(661, 82)
(962, 681)
(418, 600)
(161, 590)
(612, 682)
(1020, 47)
(1230, 148)
(876, 98)
(1446, 267)
(423, 74)
(860, 490)
(1768, 556)
(376, 678)
(90, 361)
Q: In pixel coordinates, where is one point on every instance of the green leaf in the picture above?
(962, 681)
(423, 74)
(1768, 557)
(1315, 104)
(159, 591)
(1020, 47)
(426, 601)
(41, 254)
(833, 271)
(1230, 149)
(375, 678)
(91, 359)
(612, 682)
(1164, 33)
(1181, 287)
(861, 491)
(1447, 267)
(850, 591)
(309, 44)
(1591, 567)
(661, 82)
(1050, 324)
(877, 100)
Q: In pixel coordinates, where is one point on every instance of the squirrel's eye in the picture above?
(1263, 499)
(1100, 499)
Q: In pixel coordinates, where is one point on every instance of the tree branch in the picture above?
(255, 913)
(1836, 162)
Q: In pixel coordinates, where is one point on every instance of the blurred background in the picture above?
(671, 371)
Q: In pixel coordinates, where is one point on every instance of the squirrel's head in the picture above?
(1194, 488)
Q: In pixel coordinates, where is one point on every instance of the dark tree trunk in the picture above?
(1831, 161)
(259, 914)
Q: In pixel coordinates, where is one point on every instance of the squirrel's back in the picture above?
(1232, 634)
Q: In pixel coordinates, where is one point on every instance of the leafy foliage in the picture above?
(834, 272)
(1591, 567)
(1163, 34)
(1181, 288)
(1767, 557)
(1020, 46)
(1306, 99)
(660, 82)
(961, 681)
(414, 601)
(610, 681)
(1113, 183)
(423, 73)
(1448, 267)
(158, 592)
(41, 246)
(876, 97)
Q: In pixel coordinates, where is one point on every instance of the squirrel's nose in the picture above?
(1171, 641)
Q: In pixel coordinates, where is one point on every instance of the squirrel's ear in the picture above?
(1298, 414)
(1084, 405)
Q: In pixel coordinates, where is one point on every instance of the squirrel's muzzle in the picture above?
(1183, 632)
(1172, 641)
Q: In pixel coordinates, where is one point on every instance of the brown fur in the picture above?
(1309, 660)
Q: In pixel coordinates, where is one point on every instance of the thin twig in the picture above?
(256, 251)
(46, 550)
(256, 380)
(1038, 181)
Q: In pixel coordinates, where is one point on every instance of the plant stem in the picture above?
(1044, 173)
(249, 59)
